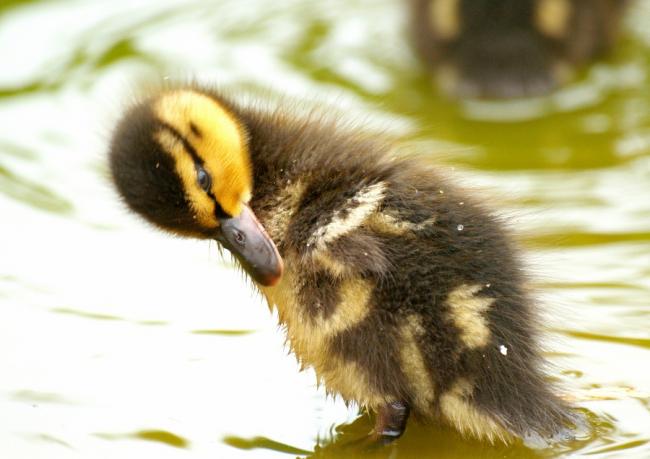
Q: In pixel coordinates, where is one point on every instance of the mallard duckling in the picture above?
(511, 48)
(402, 293)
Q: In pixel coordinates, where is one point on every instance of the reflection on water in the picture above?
(223, 332)
(160, 436)
(119, 342)
(33, 193)
(263, 443)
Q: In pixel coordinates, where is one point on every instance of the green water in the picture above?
(117, 341)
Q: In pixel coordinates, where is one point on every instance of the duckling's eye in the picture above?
(203, 178)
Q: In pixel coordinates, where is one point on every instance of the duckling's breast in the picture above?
(322, 295)
(315, 308)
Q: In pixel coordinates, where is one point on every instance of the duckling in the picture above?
(404, 294)
(511, 48)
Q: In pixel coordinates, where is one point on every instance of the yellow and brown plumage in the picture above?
(511, 48)
(402, 292)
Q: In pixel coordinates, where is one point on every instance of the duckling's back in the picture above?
(397, 285)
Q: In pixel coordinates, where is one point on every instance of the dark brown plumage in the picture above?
(511, 48)
(401, 291)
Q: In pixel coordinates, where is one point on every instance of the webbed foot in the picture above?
(390, 423)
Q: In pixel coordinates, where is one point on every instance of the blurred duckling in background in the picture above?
(511, 48)
(402, 292)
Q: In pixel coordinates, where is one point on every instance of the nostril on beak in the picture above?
(246, 238)
(239, 238)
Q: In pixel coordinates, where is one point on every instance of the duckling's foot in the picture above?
(391, 422)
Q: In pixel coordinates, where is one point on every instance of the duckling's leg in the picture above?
(391, 422)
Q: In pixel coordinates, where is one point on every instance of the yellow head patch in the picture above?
(217, 139)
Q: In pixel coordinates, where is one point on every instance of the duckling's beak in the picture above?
(248, 241)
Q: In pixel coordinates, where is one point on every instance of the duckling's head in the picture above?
(180, 159)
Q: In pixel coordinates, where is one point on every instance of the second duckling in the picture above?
(511, 48)
(402, 292)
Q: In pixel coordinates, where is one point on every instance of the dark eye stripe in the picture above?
(218, 210)
(186, 144)
(195, 130)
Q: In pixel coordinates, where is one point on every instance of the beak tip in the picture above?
(249, 242)
(272, 279)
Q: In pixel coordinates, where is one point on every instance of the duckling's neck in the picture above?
(297, 160)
